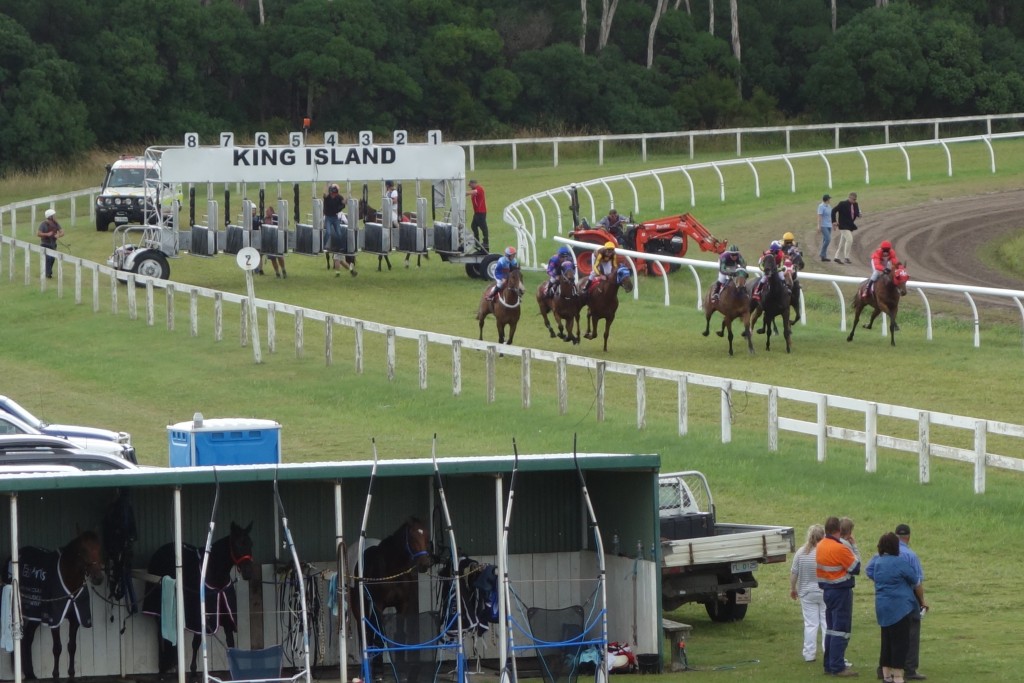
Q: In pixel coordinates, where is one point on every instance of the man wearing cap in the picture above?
(825, 225)
(910, 672)
(479, 225)
(49, 231)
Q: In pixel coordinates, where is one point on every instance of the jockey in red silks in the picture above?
(883, 260)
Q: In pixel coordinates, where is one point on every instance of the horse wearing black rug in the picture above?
(233, 550)
(53, 588)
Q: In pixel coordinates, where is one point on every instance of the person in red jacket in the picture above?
(479, 223)
(883, 260)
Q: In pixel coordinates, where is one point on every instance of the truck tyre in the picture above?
(153, 264)
(102, 224)
(473, 270)
(656, 268)
(488, 265)
(726, 611)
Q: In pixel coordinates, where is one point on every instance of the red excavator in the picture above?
(662, 236)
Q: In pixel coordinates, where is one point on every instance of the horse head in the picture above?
(240, 548)
(417, 543)
(797, 257)
(624, 278)
(769, 264)
(85, 552)
(900, 278)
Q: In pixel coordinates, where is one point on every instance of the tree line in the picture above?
(75, 74)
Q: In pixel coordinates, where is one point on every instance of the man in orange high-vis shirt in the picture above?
(837, 564)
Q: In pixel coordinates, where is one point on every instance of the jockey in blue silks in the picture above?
(501, 270)
(555, 267)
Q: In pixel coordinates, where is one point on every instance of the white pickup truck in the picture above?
(707, 562)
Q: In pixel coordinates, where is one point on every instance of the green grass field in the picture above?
(67, 363)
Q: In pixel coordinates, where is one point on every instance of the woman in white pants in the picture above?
(803, 584)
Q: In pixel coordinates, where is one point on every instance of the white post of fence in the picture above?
(924, 465)
(423, 361)
(980, 450)
(683, 398)
(113, 290)
(78, 282)
(562, 383)
(218, 316)
(641, 398)
(193, 312)
(773, 418)
(555, 154)
(492, 359)
(526, 377)
(390, 341)
(359, 347)
(300, 332)
(271, 327)
(133, 308)
(871, 438)
(150, 307)
(329, 341)
(59, 267)
(456, 367)
(170, 307)
(96, 290)
(602, 368)
(727, 412)
(28, 269)
(243, 324)
(254, 321)
(822, 426)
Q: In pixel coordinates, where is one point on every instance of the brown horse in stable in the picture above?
(53, 588)
(733, 302)
(564, 304)
(884, 299)
(602, 301)
(505, 307)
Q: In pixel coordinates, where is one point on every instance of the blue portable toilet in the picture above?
(223, 441)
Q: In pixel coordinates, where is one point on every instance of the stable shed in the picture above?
(324, 502)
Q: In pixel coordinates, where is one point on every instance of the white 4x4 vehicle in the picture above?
(126, 197)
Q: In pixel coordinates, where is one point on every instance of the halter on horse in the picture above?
(505, 307)
(565, 305)
(233, 550)
(603, 302)
(775, 301)
(884, 299)
(733, 302)
(52, 586)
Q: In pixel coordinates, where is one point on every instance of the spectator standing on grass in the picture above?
(913, 659)
(844, 216)
(479, 225)
(276, 260)
(836, 565)
(825, 225)
(49, 232)
(803, 585)
(898, 594)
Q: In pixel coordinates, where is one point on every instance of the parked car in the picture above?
(13, 426)
(89, 437)
(41, 453)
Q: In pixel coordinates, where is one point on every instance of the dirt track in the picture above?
(939, 240)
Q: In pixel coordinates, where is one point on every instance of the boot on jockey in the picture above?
(728, 264)
(604, 265)
(775, 251)
(554, 268)
(504, 265)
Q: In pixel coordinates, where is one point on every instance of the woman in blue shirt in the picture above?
(895, 601)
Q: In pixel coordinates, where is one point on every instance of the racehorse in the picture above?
(884, 299)
(505, 307)
(733, 302)
(564, 304)
(52, 586)
(775, 298)
(389, 578)
(233, 550)
(603, 300)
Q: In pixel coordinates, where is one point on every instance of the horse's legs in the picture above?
(196, 642)
(874, 314)
(768, 322)
(607, 324)
(72, 645)
(28, 672)
(755, 313)
(857, 308)
(708, 312)
(512, 329)
(729, 326)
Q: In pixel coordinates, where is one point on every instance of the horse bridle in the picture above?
(238, 560)
(408, 548)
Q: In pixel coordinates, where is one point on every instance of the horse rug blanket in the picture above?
(221, 601)
(44, 597)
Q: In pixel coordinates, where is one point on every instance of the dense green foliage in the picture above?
(74, 73)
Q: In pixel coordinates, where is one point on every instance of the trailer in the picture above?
(437, 171)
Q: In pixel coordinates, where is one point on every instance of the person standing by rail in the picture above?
(49, 232)
(844, 216)
(479, 225)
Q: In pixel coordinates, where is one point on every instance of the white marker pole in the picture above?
(248, 259)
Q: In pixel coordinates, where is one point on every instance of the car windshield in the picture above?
(129, 177)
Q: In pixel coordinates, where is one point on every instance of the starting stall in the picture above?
(476, 571)
(220, 176)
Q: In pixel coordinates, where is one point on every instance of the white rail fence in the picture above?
(1014, 295)
(979, 430)
(529, 214)
(909, 128)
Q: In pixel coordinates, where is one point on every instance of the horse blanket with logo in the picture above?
(44, 597)
(221, 601)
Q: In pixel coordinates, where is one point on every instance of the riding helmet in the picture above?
(788, 237)
(886, 245)
(775, 247)
(609, 245)
(568, 267)
(734, 248)
(510, 251)
(564, 251)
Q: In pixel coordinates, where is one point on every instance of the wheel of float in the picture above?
(152, 264)
(488, 266)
